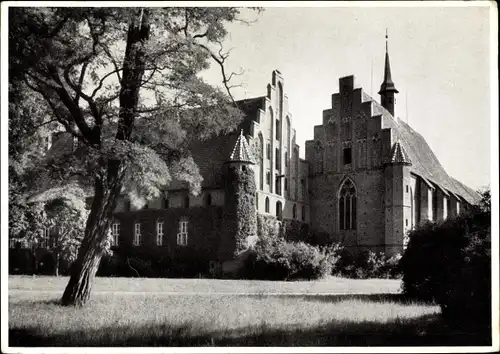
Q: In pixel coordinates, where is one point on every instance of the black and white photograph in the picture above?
(311, 176)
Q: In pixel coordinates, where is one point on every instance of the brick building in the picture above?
(367, 179)
(372, 176)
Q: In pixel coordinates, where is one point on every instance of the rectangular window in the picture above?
(445, 208)
(115, 234)
(137, 234)
(347, 156)
(278, 159)
(268, 177)
(182, 235)
(159, 233)
(286, 184)
(303, 188)
(268, 151)
(406, 188)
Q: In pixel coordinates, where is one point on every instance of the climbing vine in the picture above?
(241, 205)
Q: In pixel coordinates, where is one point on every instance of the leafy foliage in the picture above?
(125, 83)
(276, 259)
(239, 212)
(450, 263)
(369, 264)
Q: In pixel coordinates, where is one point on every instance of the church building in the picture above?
(366, 180)
(372, 177)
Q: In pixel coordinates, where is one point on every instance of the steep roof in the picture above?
(241, 151)
(399, 155)
(424, 162)
(211, 154)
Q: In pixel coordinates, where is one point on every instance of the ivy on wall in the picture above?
(240, 206)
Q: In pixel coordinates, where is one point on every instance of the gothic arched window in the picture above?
(347, 206)
(261, 162)
(294, 211)
(278, 210)
(267, 205)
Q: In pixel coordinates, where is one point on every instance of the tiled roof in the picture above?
(424, 162)
(241, 151)
(399, 155)
(211, 154)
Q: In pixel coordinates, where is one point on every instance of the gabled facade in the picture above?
(372, 177)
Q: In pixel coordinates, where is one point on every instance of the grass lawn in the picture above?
(102, 284)
(223, 319)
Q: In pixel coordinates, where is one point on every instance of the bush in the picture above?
(450, 263)
(280, 260)
(368, 264)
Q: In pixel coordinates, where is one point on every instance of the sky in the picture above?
(440, 61)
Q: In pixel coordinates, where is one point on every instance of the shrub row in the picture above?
(368, 264)
(281, 260)
(277, 259)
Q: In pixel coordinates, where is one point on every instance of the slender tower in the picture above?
(388, 89)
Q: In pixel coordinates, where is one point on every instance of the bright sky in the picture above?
(440, 60)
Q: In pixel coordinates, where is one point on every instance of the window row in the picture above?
(165, 202)
(277, 184)
(279, 209)
(182, 233)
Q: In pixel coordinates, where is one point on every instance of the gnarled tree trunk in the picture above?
(83, 270)
(107, 188)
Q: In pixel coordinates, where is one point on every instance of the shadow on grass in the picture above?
(427, 330)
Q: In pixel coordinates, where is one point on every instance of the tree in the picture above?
(485, 202)
(124, 82)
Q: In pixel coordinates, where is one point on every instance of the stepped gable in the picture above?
(424, 162)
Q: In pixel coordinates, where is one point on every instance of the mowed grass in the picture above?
(103, 284)
(159, 319)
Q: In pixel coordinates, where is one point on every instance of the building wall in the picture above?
(349, 124)
(271, 118)
(203, 232)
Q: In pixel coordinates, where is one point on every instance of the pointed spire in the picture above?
(241, 151)
(387, 84)
(399, 155)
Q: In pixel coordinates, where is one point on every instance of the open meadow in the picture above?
(203, 312)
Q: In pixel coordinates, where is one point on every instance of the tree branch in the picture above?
(113, 61)
(220, 59)
(80, 82)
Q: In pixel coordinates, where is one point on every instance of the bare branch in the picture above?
(113, 61)
(101, 82)
(61, 119)
(45, 123)
(220, 59)
(80, 82)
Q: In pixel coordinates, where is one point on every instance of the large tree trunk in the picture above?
(83, 270)
(108, 188)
